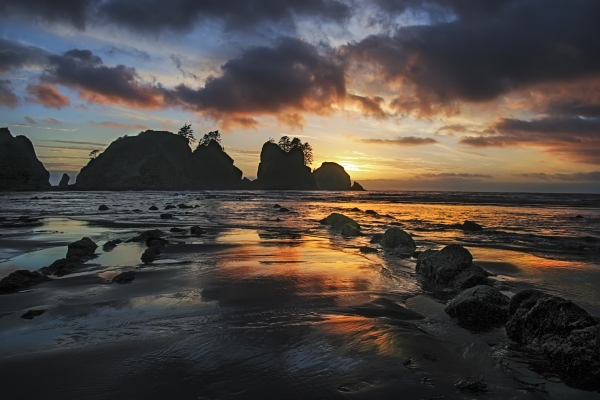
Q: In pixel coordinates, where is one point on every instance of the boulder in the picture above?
(196, 230)
(80, 249)
(177, 230)
(451, 267)
(142, 237)
(31, 314)
(103, 208)
(479, 307)
(64, 182)
(158, 242)
(124, 277)
(368, 250)
(150, 254)
(21, 280)
(284, 209)
(153, 208)
(350, 230)
(371, 212)
(111, 244)
(20, 168)
(170, 207)
(166, 216)
(281, 170)
(338, 221)
(536, 316)
(561, 331)
(471, 226)
(376, 238)
(332, 176)
(184, 206)
(356, 187)
(398, 239)
(62, 267)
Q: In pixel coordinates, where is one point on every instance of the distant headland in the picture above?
(162, 160)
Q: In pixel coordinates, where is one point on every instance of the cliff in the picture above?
(20, 168)
(281, 170)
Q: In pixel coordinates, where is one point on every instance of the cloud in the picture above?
(369, 105)
(132, 52)
(575, 138)
(177, 15)
(454, 175)
(46, 95)
(52, 121)
(118, 125)
(7, 97)
(291, 76)
(15, 55)
(400, 141)
(30, 120)
(593, 176)
(72, 142)
(484, 53)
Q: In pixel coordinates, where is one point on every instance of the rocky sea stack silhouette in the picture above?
(159, 160)
(332, 176)
(283, 170)
(20, 168)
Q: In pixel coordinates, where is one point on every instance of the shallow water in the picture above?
(257, 308)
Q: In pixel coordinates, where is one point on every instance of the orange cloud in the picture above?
(47, 95)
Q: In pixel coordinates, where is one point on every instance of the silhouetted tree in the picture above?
(187, 132)
(286, 145)
(94, 154)
(209, 137)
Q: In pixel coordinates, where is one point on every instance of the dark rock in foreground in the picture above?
(111, 244)
(20, 168)
(376, 238)
(367, 250)
(332, 176)
(479, 307)
(31, 314)
(150, 254)
(398, 239)
(83, 248)
(21, 280)
(103, 207)
(64, 266)
(196, 230)
(560, 330)
(471, 226)
(143, 237)
(472, 386)
(124, 277)
(337, 221)
(166, 216)
(451, 267)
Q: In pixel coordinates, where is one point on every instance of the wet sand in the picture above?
(247, 313)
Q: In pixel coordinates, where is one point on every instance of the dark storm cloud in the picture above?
(14, 55)
(484, 55)
(99, 83)
(7, 97)
(176, 15)
(573, 137)
(290, 75)
(401, 141)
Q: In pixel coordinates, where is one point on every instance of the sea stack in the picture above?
(332, 176)
(281, 170)
(20, 168)
(64, 182)
(214, 169)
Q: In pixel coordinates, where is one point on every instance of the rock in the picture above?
(355, 209)
(356, 187)
(367, 250)
(399, 239)
(371, 212)
(350, 230)
(159, 160)
(150, 254)
(472, 386)
(153, 208)
(425, 254)
(156, 242)
(281, 170)
(21, 280)
(20, 168)
(576, 357)
(170, 207)
(276, 206)
(142, 237)
(561, 331)
(283, 209)
(451, 267)
(62, 267)
(83, 248)
(332, 176)
(124, 277)
(111, 244)
(536, 316)
(102, 208)
(376, 238)
(184, 206)
(479, 307)
(471, 226)
(64, 182)
(31, 314)
(196, 230)
(337, 221)
(166, 216)
(177, 230)
(579, 216)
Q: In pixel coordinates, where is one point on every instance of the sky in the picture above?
(497, 95)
